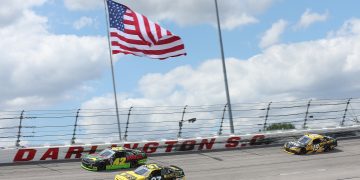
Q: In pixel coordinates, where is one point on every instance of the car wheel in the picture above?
(327, 148)
(133, 164)
(101, 167)
(302, 151)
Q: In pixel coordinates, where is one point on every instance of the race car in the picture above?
(311, 143)
(153, 172)
(113, 158)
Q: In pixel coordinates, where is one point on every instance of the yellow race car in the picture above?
(310, 143)
(153, 172)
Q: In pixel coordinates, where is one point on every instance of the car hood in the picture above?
(130, 175)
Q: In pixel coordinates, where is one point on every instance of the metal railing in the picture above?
(31, 127)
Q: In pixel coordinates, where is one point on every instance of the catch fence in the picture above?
(74, 126)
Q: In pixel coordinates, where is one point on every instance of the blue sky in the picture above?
(61, 59)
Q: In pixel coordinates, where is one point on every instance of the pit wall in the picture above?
(71, 152)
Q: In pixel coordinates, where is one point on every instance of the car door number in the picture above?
(119, 161)
(156, 178)
(316, 147)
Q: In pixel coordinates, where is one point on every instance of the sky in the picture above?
(54, 54)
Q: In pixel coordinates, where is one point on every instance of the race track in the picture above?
(255, 163)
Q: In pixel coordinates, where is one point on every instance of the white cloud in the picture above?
(11, 11)
(233, 13)
(351, 27)
(321, 69)
(36, 64)
(83, 22)
(83, 4)
(308, 18)
(272, 35)
(325, 68)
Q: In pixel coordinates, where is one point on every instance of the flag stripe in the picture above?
(169, 40)
(129, 22)
(158, 31)
(161, 57)
(127, 40)
(118, 38)
(142, 28)
(148, 30)
(163, 32)
(148, 51)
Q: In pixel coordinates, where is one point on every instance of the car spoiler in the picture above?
(176, 167)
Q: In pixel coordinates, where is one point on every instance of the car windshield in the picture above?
(107, 153)
(142, 170)
(304, 140)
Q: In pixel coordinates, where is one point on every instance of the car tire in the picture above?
(302, 151)
(327, 148)
(101, 167)
(133, 164)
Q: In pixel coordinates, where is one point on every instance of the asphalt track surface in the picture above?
(252, 163)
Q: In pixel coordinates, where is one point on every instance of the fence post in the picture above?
(127, 124)
(75, 125)
(17, 144)
(222, 120)
(346, 109)
(267, 115)
(306, 114)
(181, 122)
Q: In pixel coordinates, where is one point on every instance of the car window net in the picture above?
(142, 171)
(304, 140)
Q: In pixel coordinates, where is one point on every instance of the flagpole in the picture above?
(112, 69)
(224, 70)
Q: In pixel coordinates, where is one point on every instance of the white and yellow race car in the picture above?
(311, 143)
(153, 172)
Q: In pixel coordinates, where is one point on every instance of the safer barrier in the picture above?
(52, 153)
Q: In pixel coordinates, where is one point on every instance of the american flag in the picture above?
(133, 33)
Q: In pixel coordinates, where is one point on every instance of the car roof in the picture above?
(314, 136)
(118, 148)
